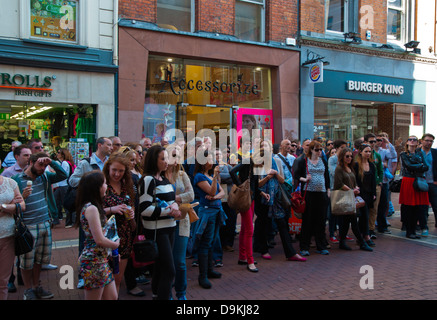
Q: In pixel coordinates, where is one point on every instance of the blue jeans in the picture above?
(432, 194)
(207, 229)
(179, 254)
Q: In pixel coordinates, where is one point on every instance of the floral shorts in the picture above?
(96, 274)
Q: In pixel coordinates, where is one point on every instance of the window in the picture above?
(249, 20)
(395, 20)
(336, 15)
(176, 14)
(54, 20)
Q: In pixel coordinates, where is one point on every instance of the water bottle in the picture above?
(115, 261)
(126, 213)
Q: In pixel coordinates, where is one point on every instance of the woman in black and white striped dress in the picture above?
(158, 209)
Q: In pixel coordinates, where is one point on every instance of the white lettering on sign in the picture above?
(374, 87)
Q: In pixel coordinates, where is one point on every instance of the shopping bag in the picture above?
(294, 224)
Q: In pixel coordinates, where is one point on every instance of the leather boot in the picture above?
(203, 272)
(364, 246)
(211, 273)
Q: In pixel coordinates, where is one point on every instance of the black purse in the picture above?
(23, 237)
(146, 250)
(420, 184)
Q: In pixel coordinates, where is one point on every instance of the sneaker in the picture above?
(304, 253)
(195, 263)
(42, 294)
(372, 234)
(349, 238)
(333, 240)
(323, 252)
(29, 294)
(424, 232)
(218, 263)
(49, 267)
(68, 226)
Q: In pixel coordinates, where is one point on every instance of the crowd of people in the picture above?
(144, 185)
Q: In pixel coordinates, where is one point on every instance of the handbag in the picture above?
(395, 185)
(240, 197)
(145, 250)
(420, 184)
(23, 237)
(284, 199)
(343, 202)
(297, 200)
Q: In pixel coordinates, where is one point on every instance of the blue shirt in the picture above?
(428, 160)
(99, 162)
(199, 177)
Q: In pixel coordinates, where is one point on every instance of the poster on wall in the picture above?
(249, 119)
(54, 19)
(157, 120)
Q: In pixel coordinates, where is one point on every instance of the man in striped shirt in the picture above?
(35, 184)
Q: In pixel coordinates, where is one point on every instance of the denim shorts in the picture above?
(42, 246)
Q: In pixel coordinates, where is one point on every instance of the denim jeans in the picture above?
(432, 194)
(179, 255)
(209, 227)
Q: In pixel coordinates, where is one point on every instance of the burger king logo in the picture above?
(315, 73)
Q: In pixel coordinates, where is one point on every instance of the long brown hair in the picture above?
(66, 154)
(341, 161)
(359, 159)
(126, 181)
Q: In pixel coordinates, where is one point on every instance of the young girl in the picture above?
(93, 261)
(119, 200)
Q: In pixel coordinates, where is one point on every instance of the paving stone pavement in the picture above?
(402, 269)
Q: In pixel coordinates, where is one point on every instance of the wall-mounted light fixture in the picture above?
(412, 45)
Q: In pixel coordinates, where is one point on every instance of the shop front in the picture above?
(46, 103)
(350, 105)
(198, 84)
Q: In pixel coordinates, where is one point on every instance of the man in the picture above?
(36, 145)
(147, 143)
(293, 148)
(430, 155)
(96, 162)
(39, 203)
(286, 158)
(370, 139)
(329, 146)
(388, 154)
(9, 160)
(21, 154)
(116, 143)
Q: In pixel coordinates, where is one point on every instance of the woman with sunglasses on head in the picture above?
(211, 215)
(312, 173)
(414, 203)
(344, 179)
(365, 173)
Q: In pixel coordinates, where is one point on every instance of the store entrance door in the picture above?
(203, 117)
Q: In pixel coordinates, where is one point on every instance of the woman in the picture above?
(414, 203)
(184, 194)
(240, 173)
(64, 156)
(365, 173)
(158, 209)
(312, 172)
(119, 200)
(270, 176)
(344, 179)
(93, 261)
(211, 216)
(9, 195)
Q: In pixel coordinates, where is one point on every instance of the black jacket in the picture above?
(413, 164)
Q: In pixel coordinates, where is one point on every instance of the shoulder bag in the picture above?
(240, 197)
(298, 201)
(23, 237)
(420, 184)
(343, 202)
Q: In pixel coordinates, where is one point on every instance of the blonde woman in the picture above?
(184, 194)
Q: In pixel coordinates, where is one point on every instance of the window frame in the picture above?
(262, 4)
(407, 17)
(346, 19)
(192, 16)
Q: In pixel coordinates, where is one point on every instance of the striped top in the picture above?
(153, 215)
(37, 210)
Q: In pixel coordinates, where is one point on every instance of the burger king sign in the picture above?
(316, 72)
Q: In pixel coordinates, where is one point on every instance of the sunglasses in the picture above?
(429, 141)
(330, 144)
(348, 156)
(372, 141)
(379, 140)
(317, 150)
(412, 139)
(294, 145)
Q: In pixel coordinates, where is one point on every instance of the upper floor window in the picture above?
(336, 15)
(54, 20)
(395, 20)
(250, 20)
(176, 14)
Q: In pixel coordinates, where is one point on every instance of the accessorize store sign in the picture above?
(27, 85)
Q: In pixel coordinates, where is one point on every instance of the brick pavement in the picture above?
(403, 269)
